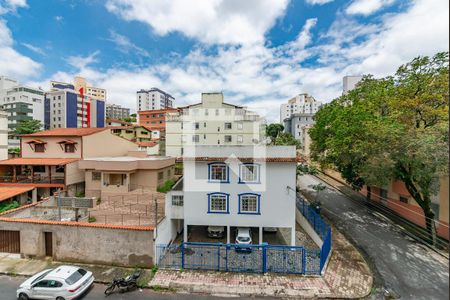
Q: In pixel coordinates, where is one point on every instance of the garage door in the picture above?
(9, 241)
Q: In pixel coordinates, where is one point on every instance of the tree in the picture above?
(390, 128)
(286, 139)
(28, 127)
(273, 130)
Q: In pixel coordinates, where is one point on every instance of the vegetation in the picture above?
(79, 194)
(28, 127)
(391, 128)
(286, 139)
(14, 151)
(167, 186)
(92, 219)
(131, 119)
(7, 206)
(304, 169)
(273, 130)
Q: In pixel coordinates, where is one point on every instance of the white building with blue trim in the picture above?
(235, 186)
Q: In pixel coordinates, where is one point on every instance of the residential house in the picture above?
(134, 133)
(212, 122)
(49, 158)
(235, 186)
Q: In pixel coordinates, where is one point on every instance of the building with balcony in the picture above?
(17, 112)
(300, 104)
(49, 159)
(152, 99)
(114, 111)
(212, 122)
(3, 135)
(235, 186)
(90, 91)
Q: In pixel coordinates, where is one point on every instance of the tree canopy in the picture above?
(28, 127)
(390, 128)
(272, 130)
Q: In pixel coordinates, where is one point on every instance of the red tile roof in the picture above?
(66, 132)
(243, 159)
(37, 161)
(8, 192)
(146, 144)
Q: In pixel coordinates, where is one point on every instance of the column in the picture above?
(14, 179)
(50, 174)
(185, 233)
(260, 235)
(34, 195)
(228, 234)
(293, 236)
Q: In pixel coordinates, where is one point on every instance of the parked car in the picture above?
(64, 282)
(243, 237)
(216, 231)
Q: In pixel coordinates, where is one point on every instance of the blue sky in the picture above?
(258, 52)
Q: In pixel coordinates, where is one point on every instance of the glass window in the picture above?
(218, 172)
(96, 176)
(228, 139)
(42, 283)
(240, 139)
(196, 125)
(403, 199)
(218, 203)
(54, 284)
(177, 200)
(228, 126)
(384, 194)
(249, 204)
(69, 148)
(160, 175)
(39, 148)
(249, 173)
(75, 276)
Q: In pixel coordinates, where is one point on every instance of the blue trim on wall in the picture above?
(100, 114)
(218, 181)
(218, 212)
(71, 110)
(258, 204)
(249, 182)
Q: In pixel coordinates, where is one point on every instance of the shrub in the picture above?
(167, 186)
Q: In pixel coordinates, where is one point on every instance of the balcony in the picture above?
(38, 179)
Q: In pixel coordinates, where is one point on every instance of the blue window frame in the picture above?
(249, 204)
(218, 203)
(218, 172)
(249, 173)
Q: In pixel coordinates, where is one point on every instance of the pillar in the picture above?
(228, 234)
(260, 235)
(293, 236)
(185, 233)
(34, 195)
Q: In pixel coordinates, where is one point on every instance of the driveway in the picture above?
(402, 266)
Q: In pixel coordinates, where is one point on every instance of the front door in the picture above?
(48, 244)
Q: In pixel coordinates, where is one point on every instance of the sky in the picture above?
(259, 53)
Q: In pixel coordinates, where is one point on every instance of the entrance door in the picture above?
(9, 241)
(48, 244)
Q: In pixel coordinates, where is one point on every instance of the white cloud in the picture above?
(59, 18)
(209, 21)
(125, 45)
(82, 62)
(366, 7)
(34, 48)
(8, 6)
(318, 2)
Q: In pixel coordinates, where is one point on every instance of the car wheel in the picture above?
(23, 296)
(59, 298)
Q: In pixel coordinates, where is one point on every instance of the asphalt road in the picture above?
(8, 287)
(405, 268)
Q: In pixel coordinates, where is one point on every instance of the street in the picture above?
(8, 287)
(401, 266)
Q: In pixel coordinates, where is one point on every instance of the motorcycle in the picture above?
(123, 284)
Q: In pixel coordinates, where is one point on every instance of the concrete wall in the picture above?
(95, 145)
(308, 228)
(86, 244)
(73, 174)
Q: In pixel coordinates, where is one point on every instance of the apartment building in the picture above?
(90, 91)
(3, 135)
(152, 99)
(235, 186)
(212, 122)
(114, 111)
(17, 112)
(350, 82)
(300, 104)
(65, 108)
(49, 159)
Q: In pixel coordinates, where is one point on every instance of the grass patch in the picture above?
(7, 206)
(92, 219)
(167, 186)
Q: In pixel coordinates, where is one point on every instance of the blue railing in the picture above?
(319, 226)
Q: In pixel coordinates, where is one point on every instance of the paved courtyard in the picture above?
(347, 276)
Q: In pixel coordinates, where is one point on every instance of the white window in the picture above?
(177, 200)
(240, 139)
(218, 203)
(249, 173)
(218, 172)
(240, 126)
(249, 203)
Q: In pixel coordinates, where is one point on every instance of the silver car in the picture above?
(64, 282)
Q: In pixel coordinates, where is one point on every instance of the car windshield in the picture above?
(41, 276)
(243, 239)
(77, 275)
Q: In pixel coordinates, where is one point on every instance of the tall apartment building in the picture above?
(3, 135)
(17, 112)
(152, 99)
(212, 122)
(350, 82)
(300, 104)
(65, 108)
(90, 91)
(115, 111)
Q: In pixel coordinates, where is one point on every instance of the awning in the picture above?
(36, 142)
(70, 142)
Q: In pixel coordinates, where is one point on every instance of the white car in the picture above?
(243, 236)
(64, 282)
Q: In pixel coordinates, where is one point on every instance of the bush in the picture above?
(92, 219)
(167, 186)
(7, 206)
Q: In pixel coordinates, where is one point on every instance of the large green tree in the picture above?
(391, 128)
(273, 130)
(28, 127)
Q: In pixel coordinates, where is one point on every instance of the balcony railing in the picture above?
(29, 179)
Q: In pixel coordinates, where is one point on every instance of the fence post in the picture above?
(182, 255)
(264, 257)
(304, 261)
(218, 256)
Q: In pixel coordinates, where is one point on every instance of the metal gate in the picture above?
(9, 241)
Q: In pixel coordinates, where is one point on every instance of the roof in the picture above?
(147, 144)
(62, 272)
(242, 159)
(11, 191)
(66, 132)
(37, 161)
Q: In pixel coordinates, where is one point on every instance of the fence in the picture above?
(239, 258)
(319, 226)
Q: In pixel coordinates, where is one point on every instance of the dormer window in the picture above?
(68, 146)
(37, 145)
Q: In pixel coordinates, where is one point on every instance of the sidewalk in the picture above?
(347, 276)
(13, 265)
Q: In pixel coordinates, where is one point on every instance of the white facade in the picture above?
(153, 99)
(90, 91)
(115, 111)
(212, 122)
(350, 82)
(3, 135)
(300, 104)
(266, 198)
